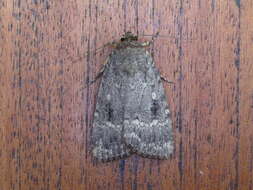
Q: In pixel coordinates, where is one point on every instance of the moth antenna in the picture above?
(93, 52)
(157, 35)
(100, 74)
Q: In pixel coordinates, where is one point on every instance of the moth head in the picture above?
(129, 36)
(129, 40)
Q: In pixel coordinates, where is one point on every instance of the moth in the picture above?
(131, 114)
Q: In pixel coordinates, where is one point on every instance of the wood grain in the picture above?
(50, 49)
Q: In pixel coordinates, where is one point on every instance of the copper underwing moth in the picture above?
(131, 114)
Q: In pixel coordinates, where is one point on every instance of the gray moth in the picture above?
(131, 114)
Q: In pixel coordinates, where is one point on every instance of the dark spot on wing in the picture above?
(109, 111)
(154, 108)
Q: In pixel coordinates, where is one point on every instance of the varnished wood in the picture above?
(48, 53)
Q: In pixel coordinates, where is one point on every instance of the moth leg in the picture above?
(145, 44)
(148, 43)
(97, 77)
(166, 80)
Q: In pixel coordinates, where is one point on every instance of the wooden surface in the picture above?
(47, 56)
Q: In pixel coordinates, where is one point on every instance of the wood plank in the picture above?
(10, 101)
(245, 162)
(5, 103)
(209, 94)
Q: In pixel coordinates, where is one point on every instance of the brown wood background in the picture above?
(47, 56)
